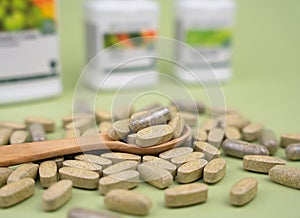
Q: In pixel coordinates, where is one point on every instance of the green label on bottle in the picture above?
(209, 38)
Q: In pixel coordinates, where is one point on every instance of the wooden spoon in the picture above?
(33, 151)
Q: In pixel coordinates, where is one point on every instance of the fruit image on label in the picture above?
(18, 15)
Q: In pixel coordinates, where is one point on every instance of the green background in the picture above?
(265, 87)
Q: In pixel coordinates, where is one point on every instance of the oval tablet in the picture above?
(48, 173)
(215, 137)
(289, 138)
(117, 157)
(261, 163)
(210, 152)
(243, 191)
(154, 135)
(232, 133)
(83, 165)
(186, 195)
(81, 178)
(28, 170)
(18, 137)
(214, 171)
(119, 167)
(286, 175)
(15, 192)
(179, 160)
(128, 202)
(168, 155)
(104, 162)
(12, 125)
(5, 134)
(191, 171)
(4, 174)
(57, 195)
(162, 163)
(177, 123)
(252, 131)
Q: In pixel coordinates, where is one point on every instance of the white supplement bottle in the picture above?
(115, 57)
(29, 53)
(206, 26)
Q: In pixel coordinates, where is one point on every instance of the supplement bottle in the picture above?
(29, 54)
(206, 26)
(111, 30)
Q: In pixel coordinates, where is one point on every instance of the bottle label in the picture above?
(28, 41)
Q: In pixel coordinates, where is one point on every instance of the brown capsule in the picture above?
(269, 140)
(252, 131)
(157, 116)
(215, 137)
(292, 151)
(238, 148)
(289, 138)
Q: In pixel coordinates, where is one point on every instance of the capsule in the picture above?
(292, 151)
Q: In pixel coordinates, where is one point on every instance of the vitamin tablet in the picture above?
(83, 165)
(232, 133)
(189, 118)
(177, 124)
(92, 131)
(214, 171)
(118, 200)
(116, 157)
(5, 134)
(286, 175)
(81, 125)
(81, 178)
(238, 148)
(16, 192)
(243, 191)
(28, 170)
(261, 163)
(72, 133)
(155, 176)
(18, 137)
(269, 140)
(215, 137)
(235, 120)
(104, 126)
(168, 155)
(104, 162)
(210, 152)
(154, 135)
(70, 118)
(252, 131)
(102, 115)
(179, 160)
(37, 132)
(119, 167)
(199, 135)
(12, 125)
(186, 195)
(48, 173)
(292, 151)
(57, 195)
(191, 171)
(128, 179)
(162, 163)
(289, 138)
(4, 174)
(118, 130)
(48, 124)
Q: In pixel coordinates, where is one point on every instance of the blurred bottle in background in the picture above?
(112, 28)
(206, 26)
(29, 53)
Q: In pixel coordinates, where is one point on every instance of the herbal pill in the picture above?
(5, 134)
(15, 192)
(81, 125)
(81, 178)
(154, 135)
(28, 170)
(269, 140)
(59, 161)
(123, 180)
(148, 158)
(177, 124)
(118, 167)
(189, 106)
(155, 176)
(118, 130)
(153, 117)
(90, 132)
(128, 202)
(186, 195)
(210, 152)
(215, 137)
(214, 171)
(232, 133)
(88, 213)
(287, 139)
(190, 119)
(243, 191)
(292, 151)
(83, 165)
(37, 132)
(104, 162)
(199, 135)
(4, 174)
(12, 125)
(286, 175)
(236, 120)
(208, 125)
(179, 160)
(104, 126)
(18, 137)
(48, 173)
(57, 195)
(252, 131)
(191, 171)
(261, 163)
(72, 133)
(168, 155)
(116, 157)
(70, 118)
(159, 162)
(239, 149)
(131, 138)
(48, 124)
(102, 115)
